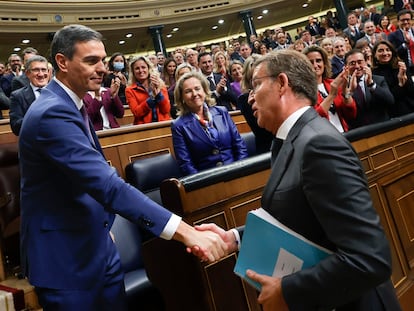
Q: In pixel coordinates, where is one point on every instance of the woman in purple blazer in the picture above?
(204, 135)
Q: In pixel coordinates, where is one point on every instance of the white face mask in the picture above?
(118, 66)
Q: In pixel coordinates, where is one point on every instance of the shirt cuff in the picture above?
(237, 237)
(171, 227)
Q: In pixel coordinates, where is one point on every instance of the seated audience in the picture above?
(236, 71)
(37, 72)
(204, 135)
(117, 68)
(371, 93)
(104, 106)
(394, 70)
(334, 96)
(147, 95)
(263, 137)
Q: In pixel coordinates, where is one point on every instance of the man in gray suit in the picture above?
(317, 187)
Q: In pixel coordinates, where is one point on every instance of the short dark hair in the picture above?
(65, 40)
(352, 52)
(403, 12)
(298, 69)
(203, 54)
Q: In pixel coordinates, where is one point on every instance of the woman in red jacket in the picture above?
(147, 95)
(335, 100)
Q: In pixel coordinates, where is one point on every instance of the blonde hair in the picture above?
(151, 70)
(179, 88)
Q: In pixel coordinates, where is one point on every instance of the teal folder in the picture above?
(269, 247)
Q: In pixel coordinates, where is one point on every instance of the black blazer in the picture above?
(20, 101)
(318, 188)
(228, 97)
(377, 104)
(398, 40)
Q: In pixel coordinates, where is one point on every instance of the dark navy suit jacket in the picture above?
(20, 101)
(227, 97)
(195, 151)
(69, 196)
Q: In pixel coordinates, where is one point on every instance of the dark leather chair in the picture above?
(9, 208)
(146, 175)
(250, 140)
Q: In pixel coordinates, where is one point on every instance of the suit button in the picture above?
(216, 151)
(106, 224)
(219, 164)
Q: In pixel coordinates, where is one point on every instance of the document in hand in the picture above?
(269, 247)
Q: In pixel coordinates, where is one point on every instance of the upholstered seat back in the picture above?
(147, 174)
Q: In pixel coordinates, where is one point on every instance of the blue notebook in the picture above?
(269, 247)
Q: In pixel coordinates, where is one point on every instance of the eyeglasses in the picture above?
(405, 19)
(38, 70)
(256, 79)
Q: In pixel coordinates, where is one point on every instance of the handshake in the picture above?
(208, 242)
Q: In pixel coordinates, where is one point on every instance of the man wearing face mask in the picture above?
(117, 73)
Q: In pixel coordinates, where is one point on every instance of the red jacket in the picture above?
(137, 96)
(345, 111)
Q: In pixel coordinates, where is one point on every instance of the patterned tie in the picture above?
(212, 84)
(87, 124)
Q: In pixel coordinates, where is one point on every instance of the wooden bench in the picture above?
(224, 195)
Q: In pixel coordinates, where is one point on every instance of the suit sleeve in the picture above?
(61, 138)
(334, 184)
(16, 113)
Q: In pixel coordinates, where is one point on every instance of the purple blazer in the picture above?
(113, 108)
(196, 151)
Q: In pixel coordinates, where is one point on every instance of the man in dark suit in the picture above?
(22, 80)
(403, 38)
(317, 187)
(37, 74)
(353, 31)
(371, 92)
(219, 85)
(15, 63)
(70, 194)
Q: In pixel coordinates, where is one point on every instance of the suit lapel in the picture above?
(284, 157)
